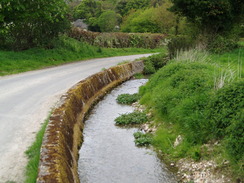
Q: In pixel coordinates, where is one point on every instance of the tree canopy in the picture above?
(25, 23)
(212, 16)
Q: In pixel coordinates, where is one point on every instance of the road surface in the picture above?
(26, 99)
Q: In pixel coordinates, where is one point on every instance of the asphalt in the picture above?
(25, 101)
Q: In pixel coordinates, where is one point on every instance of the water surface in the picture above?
(108, 153)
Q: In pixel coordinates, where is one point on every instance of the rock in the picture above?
(178, 140)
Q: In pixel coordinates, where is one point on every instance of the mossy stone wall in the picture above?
(63, 136)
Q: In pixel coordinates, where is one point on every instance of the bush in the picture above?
(154, 62)
(235, 138)
(142, 139)
(179, 43)
(118, 40)
(127, 98)
(180, 92)
(131, 118)
(225, 106)
(222, 44)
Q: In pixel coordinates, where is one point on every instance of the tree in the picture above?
(25, 24)
(141, 21)
(154, 20)
(211, 16)
(108, 20)
(88, 9)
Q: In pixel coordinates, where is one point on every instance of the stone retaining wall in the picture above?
(63, 136)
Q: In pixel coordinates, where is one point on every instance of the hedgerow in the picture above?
(118, 40)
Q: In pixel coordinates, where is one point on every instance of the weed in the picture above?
(155, 62)
(131, 119)
(127, 98)
(142, 139)
(139, 76)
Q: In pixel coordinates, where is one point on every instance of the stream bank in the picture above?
(109, 154)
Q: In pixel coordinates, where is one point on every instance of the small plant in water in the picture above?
(131, 118)
(127, 98)
(142, 139)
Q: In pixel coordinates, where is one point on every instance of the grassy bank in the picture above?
(199, 96)
(65, 50)
(33, 155)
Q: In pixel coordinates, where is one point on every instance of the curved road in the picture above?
(26, 99)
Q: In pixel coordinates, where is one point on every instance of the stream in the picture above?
(108, 153)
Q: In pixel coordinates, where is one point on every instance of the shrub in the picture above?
(127, 98)
(118, 40)
(222, 44)
(142, 139)
(179, 43)
(225, 106)
(180, 92)
(131, 118)
(154, 62)
(235, 138)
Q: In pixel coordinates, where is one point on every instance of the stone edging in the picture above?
(63, 135)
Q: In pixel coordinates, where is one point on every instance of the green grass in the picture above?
(65, 50)
(200, 97)
(33, 155)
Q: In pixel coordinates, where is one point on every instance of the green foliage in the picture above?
(154, 62)
(142, 139)
(153, 19)
(125, 6)
(33, 154)
(141, 21)
(88, 9)
(31, 23)
(118, 40)
(139, 76)
(179, 43)
(222, 44)
(127, 98)
(235, 139)
(179, 93)
(184, 96)
(225, 106)
(108, 20)
(131, 119)
(211, 16)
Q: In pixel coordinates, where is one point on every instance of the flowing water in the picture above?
(108, 153)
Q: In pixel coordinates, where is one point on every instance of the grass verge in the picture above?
(33, 155)
(200, 100)
(65, 50)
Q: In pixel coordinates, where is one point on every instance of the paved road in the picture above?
(26, 99)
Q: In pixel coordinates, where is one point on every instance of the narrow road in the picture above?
(26, 99)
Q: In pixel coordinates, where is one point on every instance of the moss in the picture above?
(63, 137)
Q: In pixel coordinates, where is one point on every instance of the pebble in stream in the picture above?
(108, 153)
